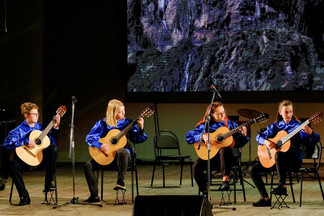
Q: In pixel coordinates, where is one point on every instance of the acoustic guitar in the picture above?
(115, 139)
(282, 141)
(34, 156)
(222, 137)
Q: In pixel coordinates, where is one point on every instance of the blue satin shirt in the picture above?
(20, 135)
(194, 136)
(100, 129)
(300, 138)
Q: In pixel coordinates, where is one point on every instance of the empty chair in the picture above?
(167, 149)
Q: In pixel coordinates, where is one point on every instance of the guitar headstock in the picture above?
(61, 110)
(148, 111)
(316, 117)
(262, 118)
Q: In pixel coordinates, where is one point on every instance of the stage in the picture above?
(34, 181)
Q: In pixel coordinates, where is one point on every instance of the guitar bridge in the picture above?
(29, 152)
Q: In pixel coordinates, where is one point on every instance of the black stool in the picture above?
(280, 200)
(117, 201)
(223, 201)
(53, 193)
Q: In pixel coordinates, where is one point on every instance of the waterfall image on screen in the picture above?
(236, 45)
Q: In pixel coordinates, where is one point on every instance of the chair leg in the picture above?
(56, 199)
(235, 181)
(272, 174)
(191, 174)
(301, 189)
(163, 172)
(242, 183)
(153, 173)
(181, 172)
(102, 177)
(11, 190)
(320, 184)
(132, 180)
(136, 177)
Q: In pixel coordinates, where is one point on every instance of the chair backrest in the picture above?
(315, 154)
(237, 152)
(165, 140)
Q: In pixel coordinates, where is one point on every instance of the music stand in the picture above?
(74, 200)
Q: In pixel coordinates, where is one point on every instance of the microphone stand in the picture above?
(74, 200)
(207, 124)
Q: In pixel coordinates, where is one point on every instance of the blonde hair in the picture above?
(112, 110)
(281, 105)
(27, 107)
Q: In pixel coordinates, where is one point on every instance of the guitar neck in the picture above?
(47, 129)
(235, 130)
(293, 133)
(126, 129)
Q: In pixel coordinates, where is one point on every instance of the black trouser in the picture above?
(121, 161)
(5, 158)
(285, 161)
(222, 161)
(49, 163)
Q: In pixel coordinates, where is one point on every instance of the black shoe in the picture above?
(225, 186)
(3, 184)
(49, 187)
(24, 201)
(279, 190)
(262, 203)
(92, 199)
(120, 185)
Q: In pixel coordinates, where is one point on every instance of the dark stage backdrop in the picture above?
(239, 46)
(84, 56)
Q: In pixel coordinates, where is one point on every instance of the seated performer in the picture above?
(19, 137)
(284, 161)
(115, 119)
(223, 160)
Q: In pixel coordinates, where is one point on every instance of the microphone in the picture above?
(213, 88)
(74, 100)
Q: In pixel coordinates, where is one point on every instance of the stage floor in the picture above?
(34, 180)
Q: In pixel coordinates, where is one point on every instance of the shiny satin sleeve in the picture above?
(240, 140)
(261, 137)
(194, 136)
(95, 134)
(52, 135)
(309, 139)
(16, 138)
(136, 135)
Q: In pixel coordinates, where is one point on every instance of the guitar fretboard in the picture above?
(235, 130)
(46, 131)
(291, 134)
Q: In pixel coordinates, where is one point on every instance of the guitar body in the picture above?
(105, 158)
(33, 157)
(267, 156)
(214, 145)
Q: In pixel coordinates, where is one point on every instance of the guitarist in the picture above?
(20, 136)
(223, 160)
(290, 160)
(115, 119)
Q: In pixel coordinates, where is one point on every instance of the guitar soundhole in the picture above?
(38, 141)
(220, 138)
(113, 140)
